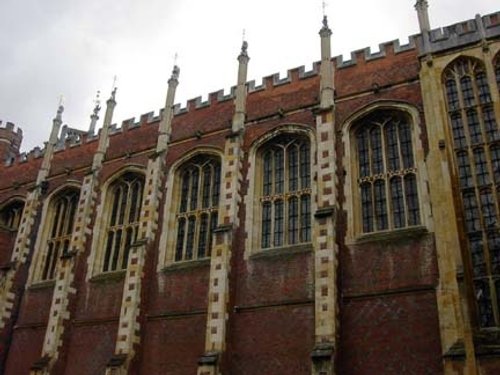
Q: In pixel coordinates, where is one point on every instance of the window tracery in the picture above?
(197, 214)
(386, 171)
(285, 193)
(11, 215)
(476, 137)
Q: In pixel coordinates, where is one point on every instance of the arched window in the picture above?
(197, 211)
(125, 196)
(60, 220)
(386, 171)
(497, 71)
(285, 192)
(476, 144)
(10, 216)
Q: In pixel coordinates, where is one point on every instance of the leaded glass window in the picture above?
(196, 216)
(387, 171)
(125, 195)
(285, 198)
(10, 216)
(62, 211)
(475, 132)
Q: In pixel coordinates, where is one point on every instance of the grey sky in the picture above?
(75, 47)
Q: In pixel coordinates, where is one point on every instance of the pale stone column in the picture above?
(325, 248)
(218, 294)
(128, 326)
(64, 290)
(423, 21)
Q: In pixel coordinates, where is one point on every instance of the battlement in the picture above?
(9, 127)
(460, 34)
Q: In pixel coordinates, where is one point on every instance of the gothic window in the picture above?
(475, 134)
(285, 194)
(387, 171)
(10, 216)
(125, 197)
(197, 212)
(61, 215)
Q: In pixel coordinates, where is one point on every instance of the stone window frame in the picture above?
(352, 191)
(16, 203)
(253, 217)
(466, 145)
(103, 214)
(168, 237)
(43, 234)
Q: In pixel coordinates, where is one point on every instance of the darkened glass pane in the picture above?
(129, 235)
(495, 162)
(184, 191)
(376, 144)
(135, 207)
(293, 168)
(181, 228)
(490, 124)
(397, 200)
(367, 207)
(116, 251)
(293, 220)
(123, 204)
(279, 167)
(474, 127)
(109, 247)
(482, 174)
(391, 138)
(72, 211)
(266, 225)
(48, 260)
(53, 260)
(305, 218)
(494, 247)
(467, 91)
(207, 182)
(488, 209)
(497, 73)
(305, 166)
(411, 193)
(278, 223)
(472, 222)
(190, 237)
(195, 180)
(216, 188)
(363, 154)
(406, 145)
(458, 131)
(57, 218)
(380, 205)
(202, 242)
(464, 171)
(483, 299)
(452, 95)
(477, 255)
(483, 88)
(268, 174)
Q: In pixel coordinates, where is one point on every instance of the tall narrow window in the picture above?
(10, 216)
(476, 140)
(123, 221)
(285, 194)
(62, 211)
(386, 171)
(196, 215)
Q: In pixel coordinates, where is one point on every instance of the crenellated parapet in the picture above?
(10, 142)
(472, 31)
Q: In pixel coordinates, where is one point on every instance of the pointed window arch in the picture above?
(10, 215)
(476, 141)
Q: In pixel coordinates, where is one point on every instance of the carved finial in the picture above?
(175, 72)
(421, 7)
(97, 102)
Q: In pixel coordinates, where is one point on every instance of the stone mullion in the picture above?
(325, 250)
(218, 294)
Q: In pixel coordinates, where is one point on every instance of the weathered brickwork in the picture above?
(340, 299)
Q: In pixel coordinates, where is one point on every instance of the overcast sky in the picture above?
(73, 48)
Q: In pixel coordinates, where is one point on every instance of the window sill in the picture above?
(393, 235)
(187, 264)
(284, 251)
(109, 276)
(42, 284)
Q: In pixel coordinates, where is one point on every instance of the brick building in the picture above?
(343, 220)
